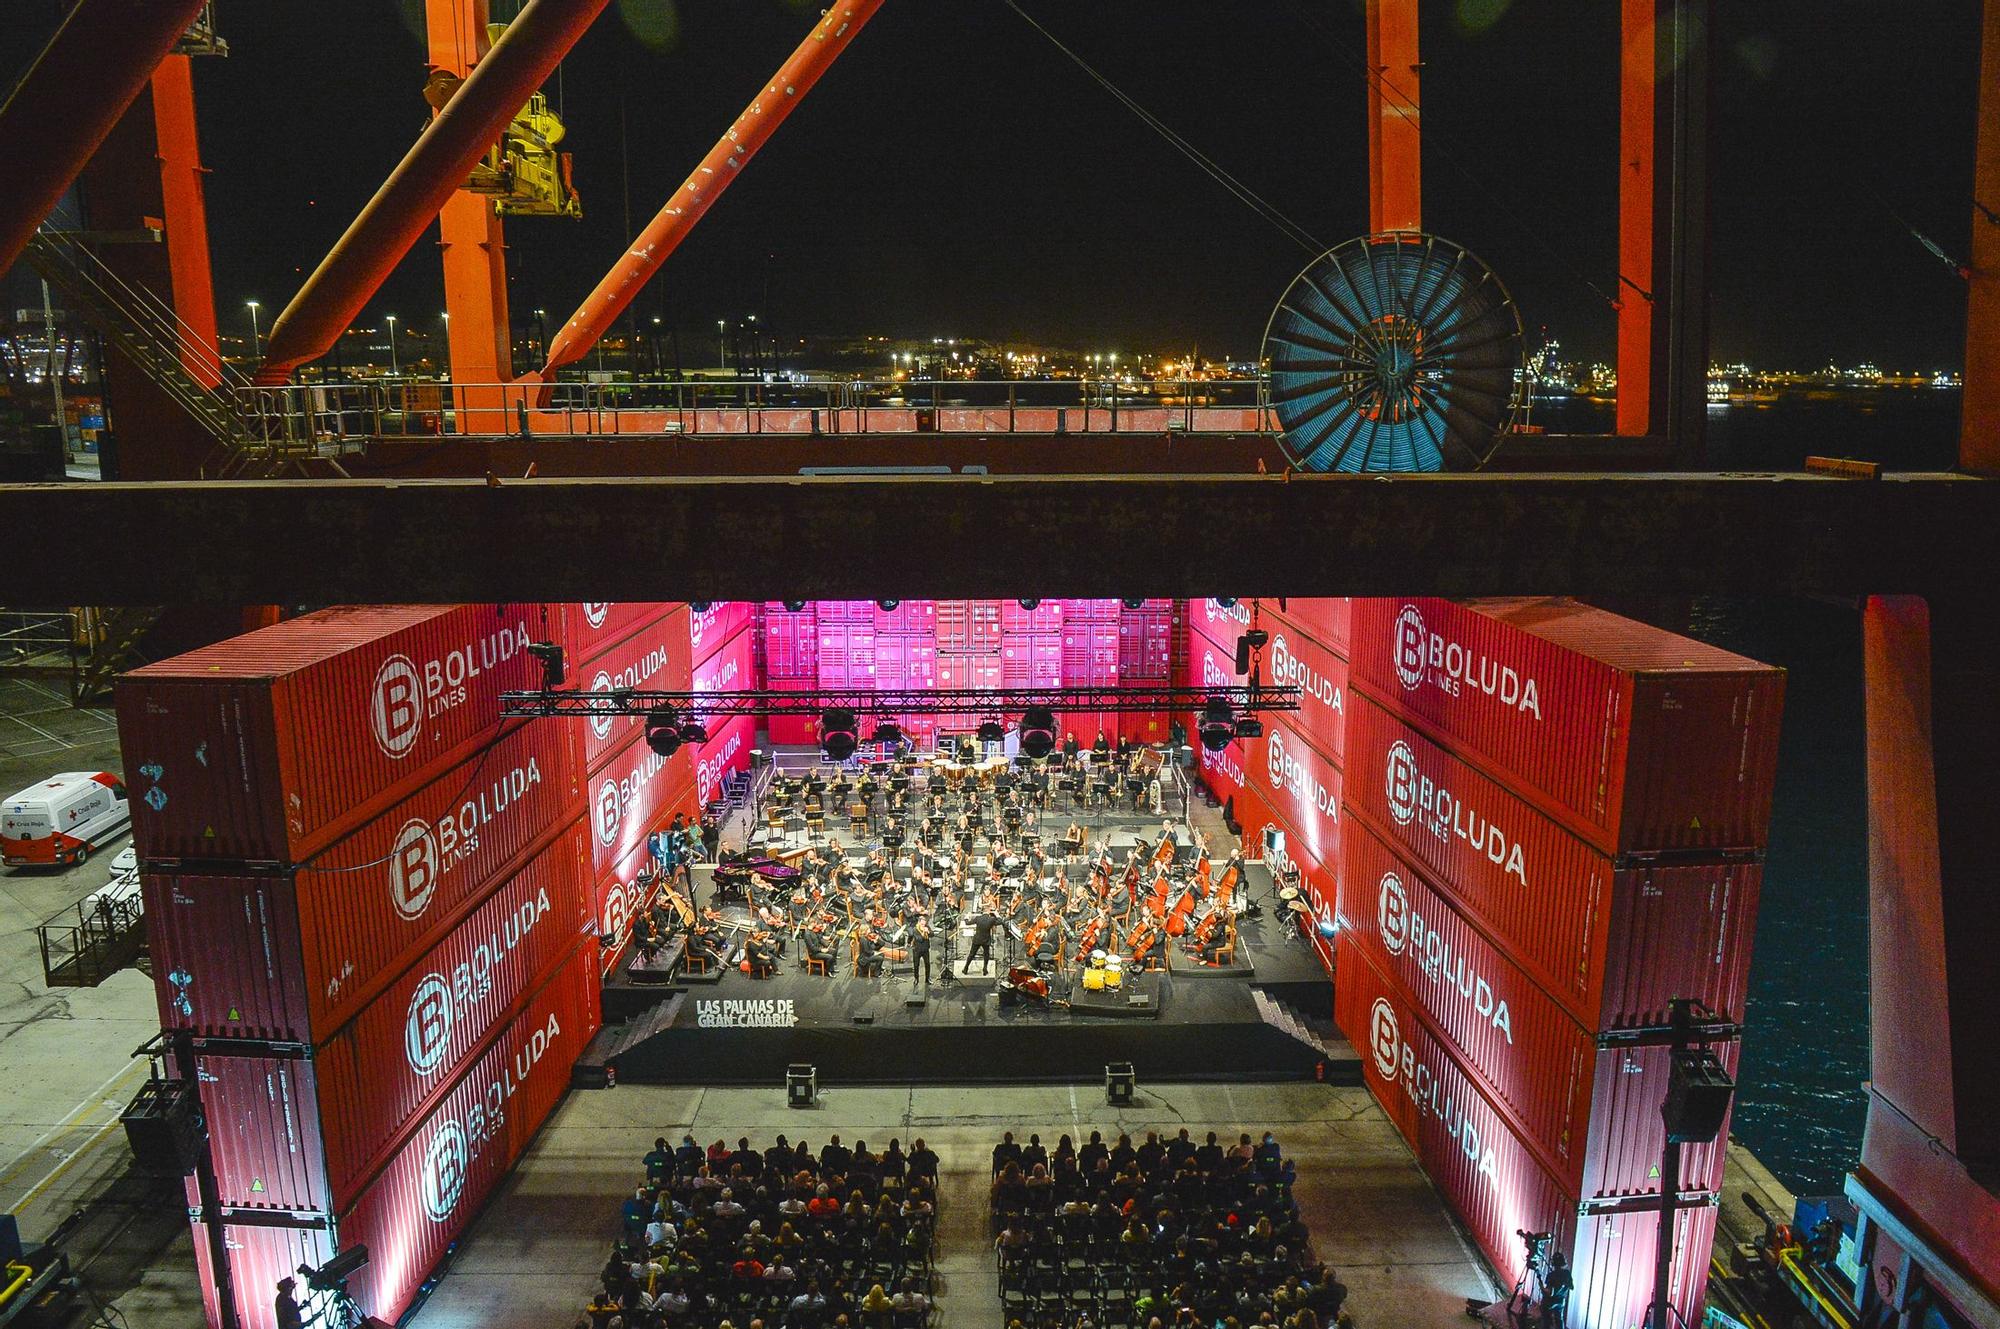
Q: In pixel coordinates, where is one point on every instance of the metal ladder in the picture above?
(145, 328)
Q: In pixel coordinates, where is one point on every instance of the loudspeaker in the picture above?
(864, 1019)
(1698, 1094)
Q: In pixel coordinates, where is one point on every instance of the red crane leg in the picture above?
(1395, 127)
(424, 182)
(83, 81)
(594, 317)
(1639, 27)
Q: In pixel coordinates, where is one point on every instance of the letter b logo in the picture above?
(397, 708)
(413, 868)
(1392, 913)
(427, 1030)
(1385, 1040)
(1410, 643)
(444, 1171)
(1401, 783)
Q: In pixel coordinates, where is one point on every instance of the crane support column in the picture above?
(822, 46)
(1663, 223)
(1395, 125)
(1932, 1145)
(95, 67)
(425, 180)
(470, 231)
(1979, 410)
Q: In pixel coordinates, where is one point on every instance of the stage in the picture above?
(1267, 1019)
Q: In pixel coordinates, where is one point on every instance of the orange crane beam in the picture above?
(595, 316)
(1395, 126)
(437, 164)
(92, 70)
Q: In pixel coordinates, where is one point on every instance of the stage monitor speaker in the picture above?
(916, 998)
(864, 1019)
(801, 1084)
(1139, 1000)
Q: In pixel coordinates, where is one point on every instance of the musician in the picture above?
(984, 925)
(868, 955)
(1069, 749)
(1073, 841)
(820, 941)
(761, 953)
(920, 954)
(1211, 941)
(705, 941)
(1101, 749)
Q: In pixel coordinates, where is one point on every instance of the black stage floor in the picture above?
(1267, 1024)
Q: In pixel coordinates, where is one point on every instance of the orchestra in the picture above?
(960, 841)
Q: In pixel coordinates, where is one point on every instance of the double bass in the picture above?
(1178, 917)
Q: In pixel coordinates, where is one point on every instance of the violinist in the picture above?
(868, 952)
(819, 940)
(762, 953)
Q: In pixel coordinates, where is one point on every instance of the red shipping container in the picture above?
(1590, 1111)
(292, 956)
(1636, 739)
(587, 631)
(270, 746)
(428, 1194)
(726, 752)
(910, 618)
(1045, 661)
(301, 1134)
(1491, 1179)
(258, 1258)
(791, 644)
(653, 659)
(1612, 945)
(714, 627)
(631, 795)
(1300, 785)
(1293, 660)
(791, 730)
(1218, 622)
(1325, 619)
(733, 668)
(1045, 617)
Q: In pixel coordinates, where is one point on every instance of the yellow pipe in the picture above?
(1788, 1259)
(21, 1274)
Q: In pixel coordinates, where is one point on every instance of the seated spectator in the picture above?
(659, 1163)
(923, 1163)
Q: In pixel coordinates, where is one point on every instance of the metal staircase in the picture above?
(250, 442)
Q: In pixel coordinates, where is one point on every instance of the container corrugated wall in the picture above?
(712, 628)
(423, 1199)
(626, 796)
(258, 1258)
(1636, 739)
(1326, 619)
(588, 630)
(655, 658)
(292, 956)
(269, 746)
(1613, 946)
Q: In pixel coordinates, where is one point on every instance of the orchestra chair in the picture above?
(694, 962)
(817, 966)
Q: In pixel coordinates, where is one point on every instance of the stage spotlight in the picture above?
(887, 731)
(837, 730)
(1038, 732)
(663, 733)
(887, 605)
(1218, 724)
(1253, 640)
(335, 1272)
(1029, 605)
(1133, 604)
(1121, 1082)
(701, 606)
(694, 731)
(1227, 602)
(795, 606)
(551, 656)
(991, 731)
(1249, 726)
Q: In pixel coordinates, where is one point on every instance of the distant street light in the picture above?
(395, 366)
(722, 344)
(256, 338)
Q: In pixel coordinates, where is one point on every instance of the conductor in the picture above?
(920, 953)
(983, 928)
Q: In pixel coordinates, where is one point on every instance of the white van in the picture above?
(64, 819)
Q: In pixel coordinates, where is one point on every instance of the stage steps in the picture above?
(615, 1039)
(1316, 1032)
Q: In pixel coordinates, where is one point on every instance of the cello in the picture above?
(1177, 918)
(1144, 940)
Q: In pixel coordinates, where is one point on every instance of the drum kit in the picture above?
(1104, 972)
(1295, 907)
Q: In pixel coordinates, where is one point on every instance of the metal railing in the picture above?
(346, 414)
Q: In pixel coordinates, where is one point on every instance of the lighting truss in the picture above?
(976, 703)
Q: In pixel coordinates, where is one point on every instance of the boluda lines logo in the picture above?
(632, 676)
(1414, 797)
(1423, 656)
(596, 614)
(406, 694)
(1285, 770)
(714, 766)
(1397, 1062)
(425, 852)
(449, 1156)
(1287, 670)
(1222, 764)
(699, 624)
(719, 675)
(1238, 613)
(1402, 926)
(614, 796)
(437, 1004)
(600, 721)
(1213, 675)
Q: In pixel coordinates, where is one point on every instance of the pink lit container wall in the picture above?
(630, 795)
(712, 628)
(1299, 785)
(1590, 1113)
(292, 956)
(655, 658)
(726, 752)
(267, 747)
(423, 1199)
(1325, 619)
(1636, 739)
(1492, 1179)
(1613, 946)
(301, 1134)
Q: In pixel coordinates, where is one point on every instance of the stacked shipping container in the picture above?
(374, 907)
(1553, 824)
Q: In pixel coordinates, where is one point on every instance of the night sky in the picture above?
(954, 175)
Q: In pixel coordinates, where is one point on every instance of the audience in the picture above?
(1163, 1233)
(780, 1239)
